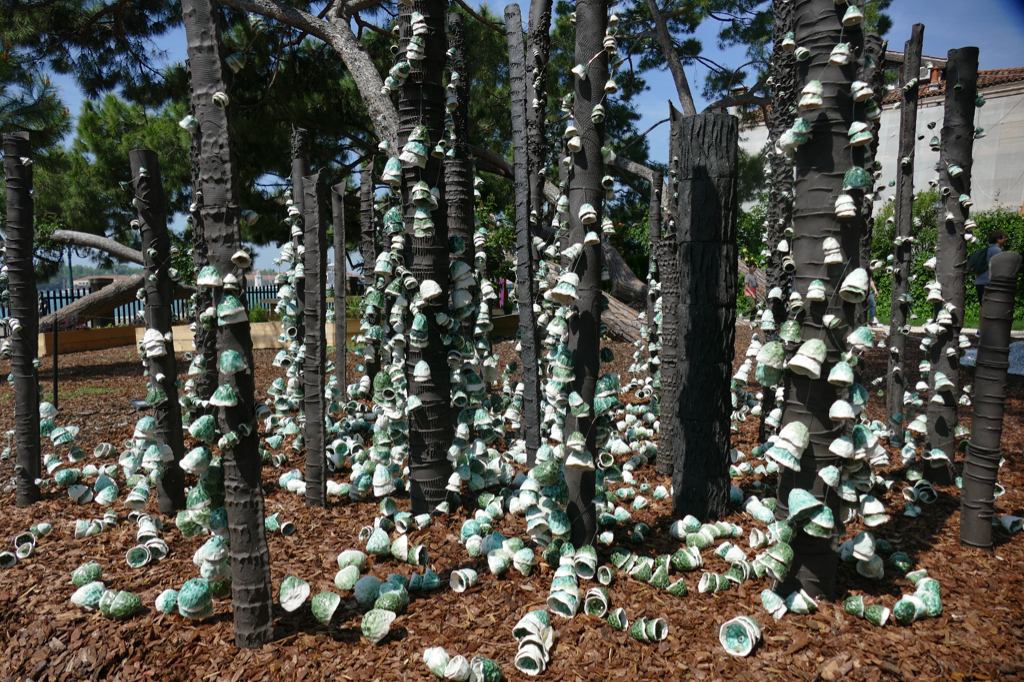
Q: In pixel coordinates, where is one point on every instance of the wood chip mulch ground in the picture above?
(979, 635)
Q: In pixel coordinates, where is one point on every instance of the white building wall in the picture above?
(998, 171)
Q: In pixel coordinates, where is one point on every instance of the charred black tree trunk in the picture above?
(873, 74)
(368, 250)
(204, 340)
(538, 49)
(21, 284)
(585, 188)
(458, 168)
(957, 140)
(163, 371)
(780, 192)
(421, 102)
(340, 284)
(252, 600)
(981, 465)
(530, 411)
(821, 165)
(653, 249)
(904, 216)
(314, 366)
(300, 169)
(668, 268)
(706, 239)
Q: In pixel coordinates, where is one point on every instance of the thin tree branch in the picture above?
(675, 66)
(641, 136)
(472, 13)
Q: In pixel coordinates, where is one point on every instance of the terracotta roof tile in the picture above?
(987, 78)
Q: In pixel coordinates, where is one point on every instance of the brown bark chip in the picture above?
(978, 636)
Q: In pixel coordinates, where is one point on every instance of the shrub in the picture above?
(926, 210)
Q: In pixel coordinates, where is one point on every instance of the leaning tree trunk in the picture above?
(706, 240)
(538, 49)
(204, 340)
(252, 600)
(300, 169)
(163, 371)
(21, 285)
(314, 365)
(821, 164)
(668, 268)
(421, 102)
(368, 250)
(951, 253)
(904, 210)
(528, 333)
(981, 465)
(653, 249)
(585, 188)
(340, 285)
(780, 186)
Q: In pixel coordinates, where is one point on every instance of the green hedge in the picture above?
(926, 209)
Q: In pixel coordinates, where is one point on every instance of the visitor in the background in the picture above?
(872, 303)
(996, 239)
(750, 290)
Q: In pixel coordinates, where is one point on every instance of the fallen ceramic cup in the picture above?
(740, 635)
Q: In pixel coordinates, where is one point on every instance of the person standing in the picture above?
(996, 239)
(750, 289)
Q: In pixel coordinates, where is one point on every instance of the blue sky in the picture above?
(996, 26)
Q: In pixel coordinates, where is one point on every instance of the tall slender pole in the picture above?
(904, 229)
(163, 371)
(340, 284)
(530, 412)
(957, 145)
(313, 369)
(251, 590)
(22, 288)
(585, 188)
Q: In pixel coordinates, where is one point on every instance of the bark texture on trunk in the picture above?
(538, 49)
(706, 243)
(458, 168)
(528, 333)
(163, 371)
(981, 465)
(368, 249)
(314, 368)
(21, 284)
(957, 139)
(653, 249)
(668, 268)
(872, 72)
(585, 188)
(780, 192)
(421, 102)
(904, 217)
(340, 284)
(252, 601)
(821, 164)
(204, 340)
(300, 169)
